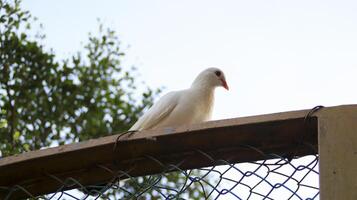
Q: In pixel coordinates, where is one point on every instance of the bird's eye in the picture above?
(218, 73)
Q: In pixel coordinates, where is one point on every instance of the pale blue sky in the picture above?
(277, 55)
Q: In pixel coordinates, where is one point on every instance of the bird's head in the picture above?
(211, 77)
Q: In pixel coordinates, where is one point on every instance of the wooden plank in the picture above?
(338, 153)
(278, 133)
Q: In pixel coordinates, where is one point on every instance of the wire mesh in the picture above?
(275, 177)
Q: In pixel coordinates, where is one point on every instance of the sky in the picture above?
(277, 55)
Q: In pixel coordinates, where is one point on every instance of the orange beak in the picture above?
(224, 84)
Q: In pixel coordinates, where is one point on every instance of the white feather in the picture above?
(190, 106)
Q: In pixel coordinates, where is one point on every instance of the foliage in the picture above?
(45, 102)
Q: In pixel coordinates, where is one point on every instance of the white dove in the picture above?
(189, 106)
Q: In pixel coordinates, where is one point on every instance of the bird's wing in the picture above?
(158, 112)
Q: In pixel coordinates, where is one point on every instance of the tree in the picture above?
(46, 102)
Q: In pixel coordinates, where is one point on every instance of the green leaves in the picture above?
(44, 102)
(16, 136)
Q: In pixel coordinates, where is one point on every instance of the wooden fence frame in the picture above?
(282, 133)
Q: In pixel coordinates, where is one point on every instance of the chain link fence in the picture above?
(273, 175)
(273, 178)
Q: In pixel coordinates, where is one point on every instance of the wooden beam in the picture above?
(338, 152)
(233, 140)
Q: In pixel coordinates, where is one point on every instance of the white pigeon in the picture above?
(189, 106)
